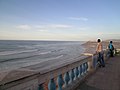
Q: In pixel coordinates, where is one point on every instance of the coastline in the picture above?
(38, 69)
(90, 46)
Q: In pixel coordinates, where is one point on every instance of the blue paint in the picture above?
(76, 72)
(86, 66)
(41, 87)
(94, 61)
(72, 75)
(66, 78)
(51, 85)
(108, 54)
(60, 82)
(81, 70)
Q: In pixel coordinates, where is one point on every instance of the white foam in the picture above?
(46, 52)
(15, 52)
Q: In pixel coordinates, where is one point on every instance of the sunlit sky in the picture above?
(59, 19)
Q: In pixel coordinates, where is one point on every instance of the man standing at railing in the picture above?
(111, 48)
(99, 51)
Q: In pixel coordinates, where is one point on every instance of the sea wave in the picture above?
(11, 56)
(15, 52)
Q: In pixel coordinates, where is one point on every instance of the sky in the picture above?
(69, 20)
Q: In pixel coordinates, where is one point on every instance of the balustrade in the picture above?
(61, 77)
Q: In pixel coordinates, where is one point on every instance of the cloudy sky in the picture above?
(59, 19)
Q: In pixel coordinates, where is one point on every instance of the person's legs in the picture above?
(102, 60)
(111, 53)
(99, 59)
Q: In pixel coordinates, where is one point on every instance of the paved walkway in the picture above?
(107, 78)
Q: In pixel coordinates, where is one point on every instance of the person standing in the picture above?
(111, 48)
(99, 51)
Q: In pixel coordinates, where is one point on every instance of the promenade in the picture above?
(107, 78)
(81, 74)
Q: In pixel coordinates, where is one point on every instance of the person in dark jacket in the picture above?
(111, 48)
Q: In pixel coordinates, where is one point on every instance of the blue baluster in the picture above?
(108, 54)
(76, 73)
(51, 85)
(83, 67)
(60, 82)
(81, 70)
(86, 66)
(41, 87)
(66, 78)
(72, 75)
(94, 61)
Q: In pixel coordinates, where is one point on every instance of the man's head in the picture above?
(98, 40)
(110, 41)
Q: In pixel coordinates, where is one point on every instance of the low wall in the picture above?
(63, 77)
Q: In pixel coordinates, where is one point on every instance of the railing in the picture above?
(63, 77)
(60, 78)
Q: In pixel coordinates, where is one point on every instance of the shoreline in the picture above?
(90, 46)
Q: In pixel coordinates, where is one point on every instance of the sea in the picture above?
(16, 54)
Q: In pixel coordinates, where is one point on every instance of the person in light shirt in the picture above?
(99, 51)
